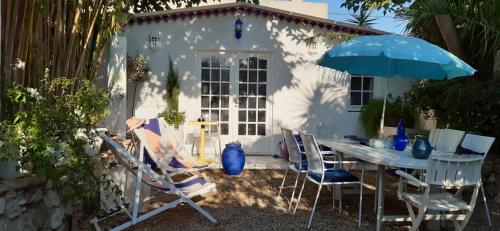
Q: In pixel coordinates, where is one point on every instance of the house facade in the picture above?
(252, 85)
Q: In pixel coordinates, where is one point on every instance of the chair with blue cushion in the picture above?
(333, 175)
(295, 161)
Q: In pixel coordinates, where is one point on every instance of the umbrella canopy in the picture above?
(394, 55)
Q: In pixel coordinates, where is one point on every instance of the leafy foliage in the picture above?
(329, 39)
(139, 6)
(362, 18)
(172, 115)
(9, 142)
(394, 111)
(137, 68)
(385, 5)
(477, 25)
(461, 103)
(46, 129)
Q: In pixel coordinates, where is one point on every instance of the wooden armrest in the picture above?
(411, 178)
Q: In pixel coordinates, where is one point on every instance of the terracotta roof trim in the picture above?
(257, 10)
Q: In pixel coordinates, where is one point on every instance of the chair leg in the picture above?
(488, 216)
(283, 182)
(340, 199)
(360, 199)
(418, 219)
(314, 207)
(293, 193)
(376, 191)
(300, 194)
(333, 197)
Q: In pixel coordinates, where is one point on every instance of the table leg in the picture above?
(380, 196)
(201, 161)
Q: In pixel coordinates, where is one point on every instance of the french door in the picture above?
(234, 90)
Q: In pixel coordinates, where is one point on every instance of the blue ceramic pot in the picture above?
(233, 159)
(421, 148)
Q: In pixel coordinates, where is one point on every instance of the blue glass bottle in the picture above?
(400, 140)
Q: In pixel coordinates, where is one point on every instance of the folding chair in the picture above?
(448, 140)
(481, 145)
(164, 148)
(446, 172)
(184, 190)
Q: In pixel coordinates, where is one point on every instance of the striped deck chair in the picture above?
(184, 190)
(164, 149)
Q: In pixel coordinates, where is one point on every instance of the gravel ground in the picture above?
(249, 202)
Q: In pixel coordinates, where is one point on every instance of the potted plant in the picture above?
(137, 71)
(171, 114)
(9, 151)
(233, 158)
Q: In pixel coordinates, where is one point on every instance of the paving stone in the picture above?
(2, 206)
(51, 199)
(36, 196)
(12, 208)
(56, 218)
(21, 183)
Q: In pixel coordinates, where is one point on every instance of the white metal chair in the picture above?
(318, 174)
(448, 140)
(295, 161)
(447, 172)
(479, 144)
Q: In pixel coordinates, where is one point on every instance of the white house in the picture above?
(252, 85)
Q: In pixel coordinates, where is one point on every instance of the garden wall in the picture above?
(30, 203)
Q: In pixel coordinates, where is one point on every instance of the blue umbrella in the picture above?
(394, 56)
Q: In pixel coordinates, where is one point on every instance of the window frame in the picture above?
(361, 90)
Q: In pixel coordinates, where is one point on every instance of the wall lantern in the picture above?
(154, 41)
(238, 24)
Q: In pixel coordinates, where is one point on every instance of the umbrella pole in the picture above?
(381, 128)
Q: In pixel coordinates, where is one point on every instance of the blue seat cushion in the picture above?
(304, 165)
(339, 175)
(466, 151)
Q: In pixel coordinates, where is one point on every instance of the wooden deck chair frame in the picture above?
(449, 172)
(171, 171)
(128, 159)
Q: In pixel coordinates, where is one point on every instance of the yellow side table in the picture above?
(202, 124)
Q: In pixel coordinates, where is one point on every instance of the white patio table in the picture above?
(383, 158)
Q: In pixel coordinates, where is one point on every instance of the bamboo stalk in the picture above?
(10, 44)
(25, 47)
(89, 33)
(76, 22)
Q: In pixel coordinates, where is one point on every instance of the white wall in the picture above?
(116, 68)
(303, 95)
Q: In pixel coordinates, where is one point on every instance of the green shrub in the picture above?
(461, 103)
(172, 115)
(45, 126)
(395, 110)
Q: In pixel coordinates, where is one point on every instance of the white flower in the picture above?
(34, 93)
(19, 64)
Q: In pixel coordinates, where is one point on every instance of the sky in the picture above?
(384, 22)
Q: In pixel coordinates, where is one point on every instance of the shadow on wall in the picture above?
(290, 55)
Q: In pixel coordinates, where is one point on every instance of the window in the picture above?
(361, 91)
(215, 92)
